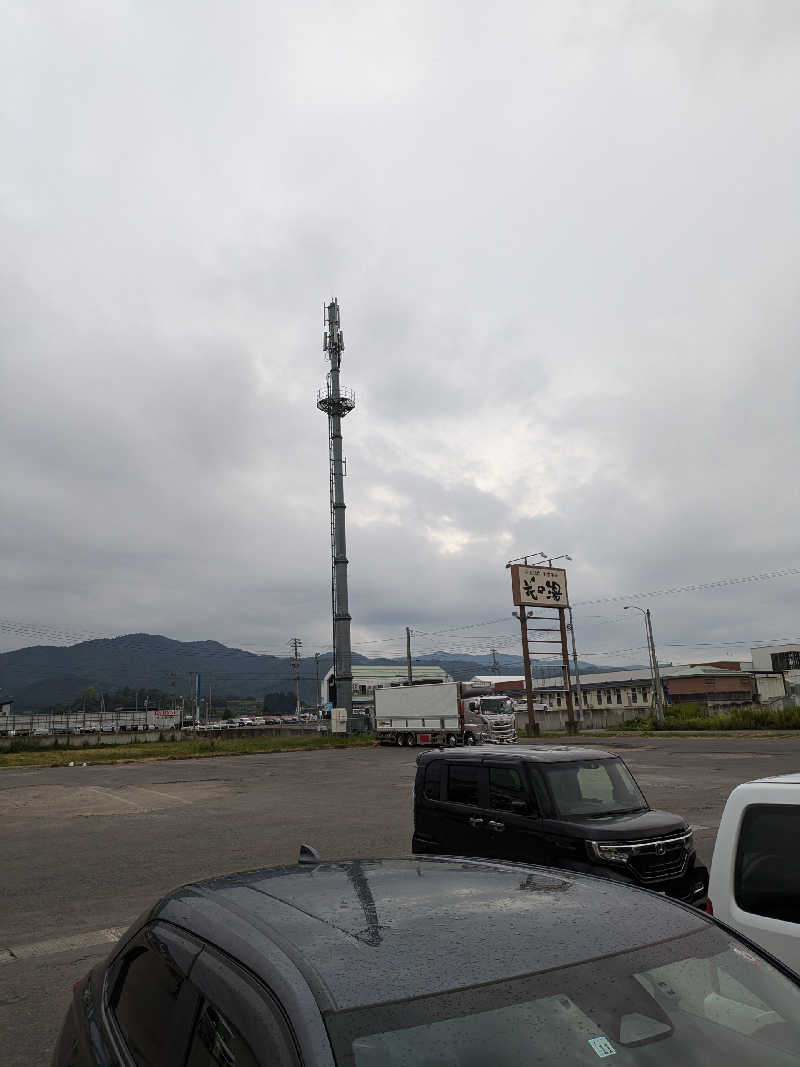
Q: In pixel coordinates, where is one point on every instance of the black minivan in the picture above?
(575, 808)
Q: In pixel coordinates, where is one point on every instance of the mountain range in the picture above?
(44, 675)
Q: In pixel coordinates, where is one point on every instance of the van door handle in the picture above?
(497, 826)
(476, 822)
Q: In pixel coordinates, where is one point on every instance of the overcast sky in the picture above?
(565, 241)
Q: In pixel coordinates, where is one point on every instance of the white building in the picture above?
(782, 658)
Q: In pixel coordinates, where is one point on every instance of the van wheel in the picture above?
(411, 740)
(400, 739)
(451, 740)
(469, 739)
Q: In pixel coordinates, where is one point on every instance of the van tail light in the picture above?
(709, 907)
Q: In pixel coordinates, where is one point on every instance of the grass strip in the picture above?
(198, 748)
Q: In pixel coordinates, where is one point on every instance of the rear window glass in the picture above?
(767, 871)
(433, 780)
(462, 783)
(144, 1002)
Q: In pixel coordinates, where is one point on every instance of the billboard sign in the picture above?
(544, 587)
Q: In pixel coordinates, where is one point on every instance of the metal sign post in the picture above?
(543, 587)
(533, 726)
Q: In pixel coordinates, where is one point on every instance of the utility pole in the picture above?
(562, 625)
(658, 699)
(336, 404)
(655, 678)
(578, 692)
(208, 709)
(408, 656)
(318, 698)
(495, 665)
(296, 644)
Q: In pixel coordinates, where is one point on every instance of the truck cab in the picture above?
(579, 809)
(494, 714)
(754, 884)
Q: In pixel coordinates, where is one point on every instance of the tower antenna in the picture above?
(336, 404)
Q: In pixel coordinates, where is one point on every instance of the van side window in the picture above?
(506, 786)
(767, 870)
(462, 783)
(433, 780)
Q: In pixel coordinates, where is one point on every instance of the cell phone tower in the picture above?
(337, 403)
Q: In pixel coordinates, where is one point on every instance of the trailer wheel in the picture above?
(469, 739)
(411, 740)
(400, 739)
(451, 740)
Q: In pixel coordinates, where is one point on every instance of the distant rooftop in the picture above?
(365, 671)
(630, 674)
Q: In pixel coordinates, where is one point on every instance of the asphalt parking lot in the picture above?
(86, 849)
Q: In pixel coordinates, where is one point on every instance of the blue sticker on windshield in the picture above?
(602, 1046)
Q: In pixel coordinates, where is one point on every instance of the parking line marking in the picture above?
(116, 796)
(169, 796)
(51, 947)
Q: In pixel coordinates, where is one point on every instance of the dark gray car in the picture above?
(429, 961)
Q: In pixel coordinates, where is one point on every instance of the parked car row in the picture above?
(246, 722)
(62, 730)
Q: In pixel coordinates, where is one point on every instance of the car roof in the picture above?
(545, 754)
(776, 779)
(370, 931)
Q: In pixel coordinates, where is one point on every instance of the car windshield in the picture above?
(495, 705)
(700, 1000)
(593, 788)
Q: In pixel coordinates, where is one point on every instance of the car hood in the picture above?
(641, 826)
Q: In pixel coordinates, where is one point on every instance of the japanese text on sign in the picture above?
(545, 586)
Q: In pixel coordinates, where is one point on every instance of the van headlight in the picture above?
(608, 852)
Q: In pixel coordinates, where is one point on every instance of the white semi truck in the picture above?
(448, 714)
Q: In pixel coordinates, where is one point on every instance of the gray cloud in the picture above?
(565, 244)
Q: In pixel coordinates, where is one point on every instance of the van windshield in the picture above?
(593, 788)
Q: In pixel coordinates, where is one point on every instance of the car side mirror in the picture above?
(520, 807)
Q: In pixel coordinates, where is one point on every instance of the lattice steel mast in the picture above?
(336, 404)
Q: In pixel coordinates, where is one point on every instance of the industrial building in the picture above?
(614, 696)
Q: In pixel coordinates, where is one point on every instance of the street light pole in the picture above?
(659, 699)
(658, 704)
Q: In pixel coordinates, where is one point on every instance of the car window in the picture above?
(505, 786)
(433, 780)
(217, 1041)
(767, 869)
(241, 1023)
(144, 1002)
(463, 783)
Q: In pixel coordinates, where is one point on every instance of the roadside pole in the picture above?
(658, 699)
(562, 624)
(408, 656)
(578, 692)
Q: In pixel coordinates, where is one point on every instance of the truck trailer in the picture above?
(449, 714)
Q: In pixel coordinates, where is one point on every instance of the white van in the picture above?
(754, 885)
